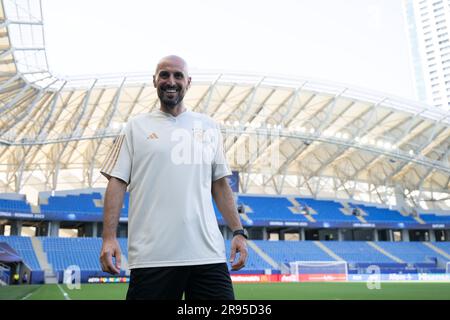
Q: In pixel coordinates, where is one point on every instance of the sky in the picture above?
(362, 43)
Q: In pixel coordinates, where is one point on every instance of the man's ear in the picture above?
(154, 81)
(189, 82)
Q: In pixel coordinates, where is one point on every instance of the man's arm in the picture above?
(223, 195)
(114, 195)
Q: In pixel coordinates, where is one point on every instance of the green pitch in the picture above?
(269, 291)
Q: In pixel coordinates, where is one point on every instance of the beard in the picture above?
(170, 102)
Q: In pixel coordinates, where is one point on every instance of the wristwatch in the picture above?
(242, 232)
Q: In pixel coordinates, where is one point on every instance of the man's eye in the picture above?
(178, 75)
(163, 74)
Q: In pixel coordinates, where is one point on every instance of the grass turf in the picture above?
(260, 291)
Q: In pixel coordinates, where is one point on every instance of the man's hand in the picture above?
(110, 248)
(238, 244)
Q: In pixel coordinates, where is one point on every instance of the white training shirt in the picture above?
(170, 163)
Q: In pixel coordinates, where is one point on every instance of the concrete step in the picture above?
(360, 218)
(328, 251)
(295, 209)
(310, 218)
(245, 217)
(40, 254)
(51, 280)
(267, 258)
(294, 201)
(345, 205)
(407, 213)
(419, 220)
(49, 275)
(98, 203)
(35, 209)
(296, 205)
(348, 212)
(437, 250)
(387, 254)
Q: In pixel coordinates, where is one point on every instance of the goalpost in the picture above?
(319, 270)
(447, 270)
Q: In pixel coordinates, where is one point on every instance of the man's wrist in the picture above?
(107, 237)
(241, 232)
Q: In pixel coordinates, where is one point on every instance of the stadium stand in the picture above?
(358, 251)
(375, 214)
(255, 263)
(287, 251)
(82, 252)
(412, 257)
(444, 246)
(264, 256)
(63, 252)
(123, 242)
(433, 218)
(24, 248)
(412, 252)
(327, 210)
(262, 208)
(14, 204)
(270, 208)
(83, 203)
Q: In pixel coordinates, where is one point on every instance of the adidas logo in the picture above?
(152, 136)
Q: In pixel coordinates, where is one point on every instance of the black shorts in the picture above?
(200, 282)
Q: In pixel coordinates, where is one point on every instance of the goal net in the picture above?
(319, 270)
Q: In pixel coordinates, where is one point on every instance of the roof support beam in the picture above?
(224, 98)
(106, 121)
(294, 97)
(14, 100)
(208, 93)
(252, 94)
(37, 150)
(28, 111)
(9, 81)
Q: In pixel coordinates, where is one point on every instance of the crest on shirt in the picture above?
(198, 134)
(203, 136)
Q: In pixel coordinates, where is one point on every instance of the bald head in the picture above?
(172, 81)
(172, 60)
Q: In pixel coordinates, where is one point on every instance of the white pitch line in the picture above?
(27, 296)
(66, 296)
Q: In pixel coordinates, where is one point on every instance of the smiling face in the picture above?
(171, 81)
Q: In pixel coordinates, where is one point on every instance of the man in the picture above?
(172, 161)
(16, 278)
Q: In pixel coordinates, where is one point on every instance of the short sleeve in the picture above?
(119, 159)
(220, 167)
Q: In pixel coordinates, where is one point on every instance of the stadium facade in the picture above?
(320, 161)
(333, 140)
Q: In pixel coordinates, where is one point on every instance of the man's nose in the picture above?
(171, 80)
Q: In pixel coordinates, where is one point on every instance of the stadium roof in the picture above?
(284, 135)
